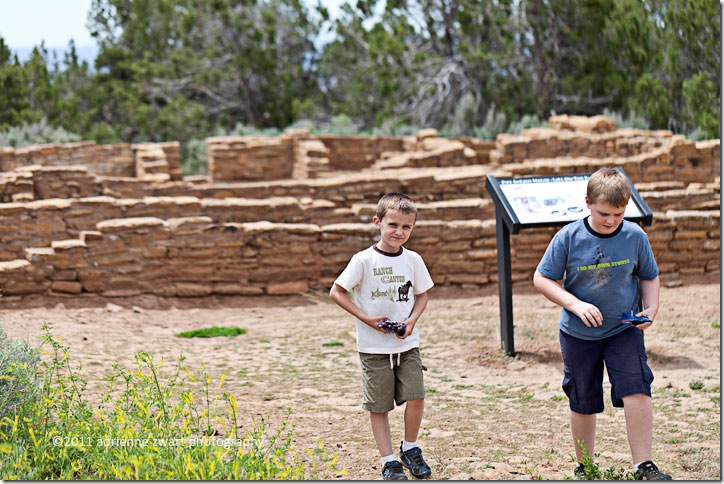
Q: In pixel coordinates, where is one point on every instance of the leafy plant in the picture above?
(36, 133)
(147, 425)
(696, 385)
(333, 343)
(212, 332)
(632, 120)
(593, 472)
(195, 160)
(18, 362)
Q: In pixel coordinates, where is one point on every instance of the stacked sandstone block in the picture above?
(113, 160)
(193, 256)
(282, 215)
(158, 159)
(234, 158)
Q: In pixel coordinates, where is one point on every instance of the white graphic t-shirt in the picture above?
(385, 285)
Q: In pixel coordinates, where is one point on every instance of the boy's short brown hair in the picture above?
(395, 201)
(609, 185)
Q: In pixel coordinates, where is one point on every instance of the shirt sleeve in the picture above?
(554, 260)
(351, 276)
(423, 281)
(647, 267)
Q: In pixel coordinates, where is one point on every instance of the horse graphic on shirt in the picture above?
(403, 292)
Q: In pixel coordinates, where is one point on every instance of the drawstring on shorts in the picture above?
(392, 366)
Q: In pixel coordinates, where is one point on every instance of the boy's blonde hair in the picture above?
(395, 201)
(609, 185)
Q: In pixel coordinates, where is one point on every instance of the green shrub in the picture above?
(340, 124)
(244, 130)
(395, 127)
(18, 365)
(212, 332)
(36, 133)
(696, 385)
(147, 425)
(195, 160)
(632, 120)
(527, 121)
(495, 123)
(593, 472)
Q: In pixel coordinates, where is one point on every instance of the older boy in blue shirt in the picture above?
(607, 266)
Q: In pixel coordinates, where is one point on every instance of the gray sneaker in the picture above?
(648, 470)
(393, 471)
(412, 459)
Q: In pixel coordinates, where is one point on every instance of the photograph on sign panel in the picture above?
(551, 199)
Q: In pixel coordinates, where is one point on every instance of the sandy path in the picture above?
(487, 416)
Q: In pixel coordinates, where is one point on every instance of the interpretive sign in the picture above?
(540, 202)
(552, 200)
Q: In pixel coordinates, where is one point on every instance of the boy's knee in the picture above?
(636, 398)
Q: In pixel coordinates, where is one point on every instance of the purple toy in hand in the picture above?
(392, 327)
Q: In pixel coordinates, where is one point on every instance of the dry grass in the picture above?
(487, 416)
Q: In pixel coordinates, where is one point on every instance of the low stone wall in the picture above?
(110, 160)
(234, 158)
(548, 143)
(306, 205)
(193, 257)
(586, 124)
(158, 159)
(685, 162)
(114, 160)
(356, 153)
(39, 223)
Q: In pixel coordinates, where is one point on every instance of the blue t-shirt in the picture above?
(603, 270)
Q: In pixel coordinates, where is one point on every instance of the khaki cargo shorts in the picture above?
(390, 379)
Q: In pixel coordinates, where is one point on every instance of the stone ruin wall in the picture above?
(114, 160)
(282, 215)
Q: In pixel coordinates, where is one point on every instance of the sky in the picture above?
(26, 23)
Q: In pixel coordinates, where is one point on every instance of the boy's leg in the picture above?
(378, 384)
(639, 422)
(583, 429)
(412, 457)
(631, 380)
(583, 384)
(381, 431)
(413, 418)
(410, 388)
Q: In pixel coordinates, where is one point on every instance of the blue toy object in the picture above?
(631, 318)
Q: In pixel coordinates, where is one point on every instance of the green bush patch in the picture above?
(150, 423)
(212, 332)
(333, 343)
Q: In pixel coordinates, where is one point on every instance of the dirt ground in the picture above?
(487, 416)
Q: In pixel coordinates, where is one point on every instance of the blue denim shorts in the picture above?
(624, 355)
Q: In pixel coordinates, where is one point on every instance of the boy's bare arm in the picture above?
(650, 289)
(417, 310)
(338, 294)
(589, 314)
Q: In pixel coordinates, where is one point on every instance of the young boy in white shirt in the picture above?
(390, 283)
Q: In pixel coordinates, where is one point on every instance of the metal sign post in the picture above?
(539, 202)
